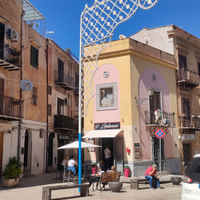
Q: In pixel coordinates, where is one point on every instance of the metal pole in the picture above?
(79, 110)
(160, 158)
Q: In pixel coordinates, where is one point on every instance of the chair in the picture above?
(68, 174)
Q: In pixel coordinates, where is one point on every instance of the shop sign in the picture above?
(105, 126)
(188, 137)
(63, 137)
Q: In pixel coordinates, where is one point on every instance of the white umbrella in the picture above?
(75, 145)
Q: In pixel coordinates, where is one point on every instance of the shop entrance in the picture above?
(186, 154)
(104, 142)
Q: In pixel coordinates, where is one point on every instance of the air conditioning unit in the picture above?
(13, 35)
(68, 102)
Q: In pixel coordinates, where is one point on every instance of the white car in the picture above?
(191, 180)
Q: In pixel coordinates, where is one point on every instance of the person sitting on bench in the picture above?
(151, 174)
(96, 178)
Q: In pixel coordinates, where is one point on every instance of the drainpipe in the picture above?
(47, 50)
(21, 75)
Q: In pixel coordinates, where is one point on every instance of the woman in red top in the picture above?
(151, 174)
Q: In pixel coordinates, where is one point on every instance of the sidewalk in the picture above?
(31, 189)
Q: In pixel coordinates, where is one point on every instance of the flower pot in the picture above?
(93, 170)
(10, 182)
(126, 172)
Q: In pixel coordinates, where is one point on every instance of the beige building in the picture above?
(35, 122)
(186, 50)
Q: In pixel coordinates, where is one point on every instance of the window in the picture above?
(199, 68)
(60, 70)
(49, 110)
(41, 135)
(60, 106)
(76, 82)
(34, 57)
(49, 90)
(34, 96)
(107, 96)
(155, 103)
(182, 62)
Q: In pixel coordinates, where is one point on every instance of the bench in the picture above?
(46, 191)
(134, 183)
(107, 177)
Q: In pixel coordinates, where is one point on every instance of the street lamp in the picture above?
(97, 24)
(150, 92)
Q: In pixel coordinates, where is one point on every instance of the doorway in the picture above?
(27, 150)
(156, 152)
(186, 154)
(103, 143)
(1, 151)
(2, 33)
(50, 149)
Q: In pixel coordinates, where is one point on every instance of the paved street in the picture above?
(31, 189)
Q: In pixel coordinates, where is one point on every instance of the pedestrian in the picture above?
(107, 154)
(71, 165)
(64, 164)
(65, 161)
(96, 177)
(151, 174)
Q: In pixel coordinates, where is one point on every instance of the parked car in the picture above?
(191, 180)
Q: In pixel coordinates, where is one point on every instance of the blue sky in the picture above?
(63, 17)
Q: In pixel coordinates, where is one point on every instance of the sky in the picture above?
(63, 17)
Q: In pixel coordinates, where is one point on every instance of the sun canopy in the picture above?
(75, 145)
(103, 133)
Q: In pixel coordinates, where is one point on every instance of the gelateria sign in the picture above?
(105, 126)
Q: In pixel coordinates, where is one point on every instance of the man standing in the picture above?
(107, 154)
(151, 174)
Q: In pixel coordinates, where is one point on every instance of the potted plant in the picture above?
(126, 170)
(12, 172)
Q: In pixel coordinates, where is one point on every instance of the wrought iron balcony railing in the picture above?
(167, 119)
(10, 55)
(189, 121)
(63, 122)
(64, 80)
(10, 106)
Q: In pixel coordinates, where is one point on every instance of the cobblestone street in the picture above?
(31, 189)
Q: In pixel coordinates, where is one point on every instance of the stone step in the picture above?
(163, 173)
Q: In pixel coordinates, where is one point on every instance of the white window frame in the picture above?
(98, 96)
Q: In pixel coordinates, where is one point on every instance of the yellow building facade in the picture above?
(121, 114)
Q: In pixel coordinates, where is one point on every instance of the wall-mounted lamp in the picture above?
(150, 92)
(91, 121)
(122, 120)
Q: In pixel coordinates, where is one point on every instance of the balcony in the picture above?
(189, 121)
(64, 80)
(62, 122)
(10, 108)
(167, 119)
(9, 57)
(187, 79)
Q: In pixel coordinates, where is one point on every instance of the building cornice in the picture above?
(137, 53)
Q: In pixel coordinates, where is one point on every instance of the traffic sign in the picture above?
(160, 133)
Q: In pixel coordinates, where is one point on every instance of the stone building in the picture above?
(186, 50)
(35, 122)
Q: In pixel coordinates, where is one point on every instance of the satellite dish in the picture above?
(26, 85)
(121, 37)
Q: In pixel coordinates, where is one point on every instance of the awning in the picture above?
(102, 133)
